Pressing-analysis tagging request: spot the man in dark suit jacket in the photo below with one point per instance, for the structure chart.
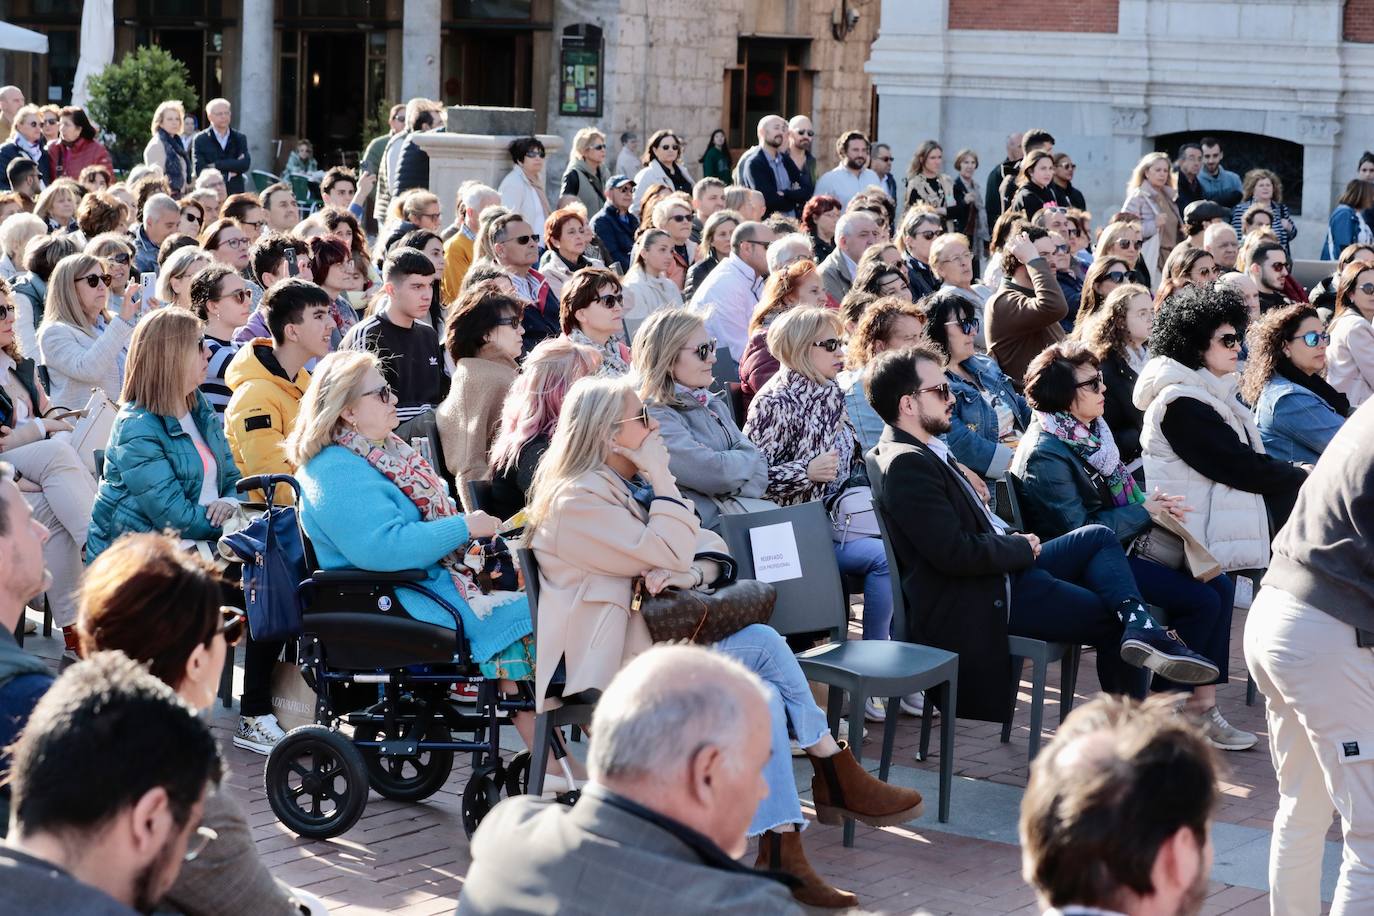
(662, 821)
(768, 169)
(221, 147)
(970, 581)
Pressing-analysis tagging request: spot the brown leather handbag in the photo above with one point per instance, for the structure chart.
(703, 617)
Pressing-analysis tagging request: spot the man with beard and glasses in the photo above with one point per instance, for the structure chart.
(971, 581)
(1116, 819)
(109, 780)
(852, 175)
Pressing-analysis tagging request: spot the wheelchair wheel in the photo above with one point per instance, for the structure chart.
(481, 794)
(406, 779)
(316, 782)
(517, 779)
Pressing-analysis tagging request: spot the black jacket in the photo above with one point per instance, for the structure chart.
(1030, 198)
(412, 166)
(920, 278)
(755, 172)
(206, 154)
(697, 274)
(1075, 196)
(10, 152)
(952, 566)
(1188, 192)
(1124, 419)
(960, 215)
(992, 193)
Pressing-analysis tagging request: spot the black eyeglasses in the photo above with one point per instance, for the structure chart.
(1116, 276)
(383, 394)
(1229, 341)
(513, 322)
(1095, 383)
(611, 300)
(239, 295)
(829, 345)
(118, 257)
(94, 280)
(1314, 338)
(941, 389)
(704, 351)
(192, 217)
(598, 146)
(232, 624)
(256, 224)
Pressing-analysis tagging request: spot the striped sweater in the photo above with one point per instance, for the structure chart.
(215, 389)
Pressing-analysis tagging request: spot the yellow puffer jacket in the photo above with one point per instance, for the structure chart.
(261, 413)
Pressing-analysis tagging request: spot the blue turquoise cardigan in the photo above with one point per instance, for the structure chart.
(358, 519)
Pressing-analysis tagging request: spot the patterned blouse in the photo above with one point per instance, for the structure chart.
(792, 420)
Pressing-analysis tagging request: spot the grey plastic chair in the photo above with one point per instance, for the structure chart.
(815, 603)
(575, 711)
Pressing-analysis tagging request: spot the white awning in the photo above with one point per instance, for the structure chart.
(97, 45)
(13, 38)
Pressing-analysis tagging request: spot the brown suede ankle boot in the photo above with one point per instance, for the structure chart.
(843, 788)
(783, 852)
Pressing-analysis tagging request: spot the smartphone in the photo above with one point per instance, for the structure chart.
(291, 264)
(147, 282)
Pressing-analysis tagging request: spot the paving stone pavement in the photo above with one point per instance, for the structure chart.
(411, 858)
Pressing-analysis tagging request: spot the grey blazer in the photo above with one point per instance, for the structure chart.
(605, 855)
(835, 274)
(709, 456)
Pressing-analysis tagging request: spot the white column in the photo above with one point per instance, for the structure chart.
(256, 111)
(420, 37)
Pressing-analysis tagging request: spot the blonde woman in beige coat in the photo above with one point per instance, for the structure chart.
(604, 509)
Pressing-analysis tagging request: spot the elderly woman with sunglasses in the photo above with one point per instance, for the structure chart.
(1199, 440)
(80, 342)
(716, 467)
(1296, 409)
(162, 606)
(799, 423)
(1071, 474)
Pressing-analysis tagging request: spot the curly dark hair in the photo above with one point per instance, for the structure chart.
(1106, 333)
(1186, 321)
(1266, 339)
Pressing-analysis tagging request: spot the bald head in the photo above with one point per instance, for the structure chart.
(11, 100)
(800, 133)
(1014, 145)
(772, 133)
(1219, 239)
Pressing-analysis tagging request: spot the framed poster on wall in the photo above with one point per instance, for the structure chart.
(580, 71)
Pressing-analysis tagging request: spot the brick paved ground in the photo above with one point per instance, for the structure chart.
(411, 858)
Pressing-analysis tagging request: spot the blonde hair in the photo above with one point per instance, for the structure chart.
(334, 385)
(43, 206)
(15, 233)
(162, 109)
(1106, 241)
(416, 201)
(1143, 166)
(161, 353)
(29, 109)
(180, 265)
(581, 441)
(62, 305)
(657, 344)
(791, 335)
(663, 210)
(583, 139)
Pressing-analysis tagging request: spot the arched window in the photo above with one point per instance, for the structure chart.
(1242, 152)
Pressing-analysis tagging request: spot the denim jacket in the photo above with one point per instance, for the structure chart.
(1294, 423)
(972, 437)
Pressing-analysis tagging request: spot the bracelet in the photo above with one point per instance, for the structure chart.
(700, 577)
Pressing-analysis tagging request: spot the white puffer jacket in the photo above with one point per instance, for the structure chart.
(1231, 523)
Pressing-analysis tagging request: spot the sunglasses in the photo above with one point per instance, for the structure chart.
(829, 345)
(883, 158)
(1073, 233)
(681, 218)
(94, 280)
(1314, 338)
(239, 295)
(1095, 383)
(612, 300)
(642, 418)
(232, 624)
(119, 258)
(1061, 249)
(1282, 267)
(1116, 276)
(926, 234)
(666, 147)
(704, 351)
(513, 322)
(968, 327)
(383, 394)
(193, 217)
(522, 239)
(804, 133)
(49, 122)
(598, 146)
(942, 390)
(1229, 341)
(534, 154)
(1128, 245)
(1069, 165)
(1366, 288)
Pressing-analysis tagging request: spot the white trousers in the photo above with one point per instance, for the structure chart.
(1320, 691)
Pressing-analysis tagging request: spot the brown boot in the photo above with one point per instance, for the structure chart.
(842, 788)
(783, 852)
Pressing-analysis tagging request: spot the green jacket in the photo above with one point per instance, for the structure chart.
(152, 477)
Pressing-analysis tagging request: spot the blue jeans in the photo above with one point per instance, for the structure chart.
(763, 651)
(1071, 595)
(1199, 611)
(865, 557)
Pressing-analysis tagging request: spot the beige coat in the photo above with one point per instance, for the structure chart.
(596, 540)
(469, 416)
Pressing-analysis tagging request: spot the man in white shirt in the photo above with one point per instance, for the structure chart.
(627, 162)
(852, 175)
(727, 299)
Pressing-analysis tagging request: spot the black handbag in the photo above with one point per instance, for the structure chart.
(1160, 545)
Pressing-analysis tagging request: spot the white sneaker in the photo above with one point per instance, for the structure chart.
(874, 711)
(1223, 734)
(914, 704)
(258, 733)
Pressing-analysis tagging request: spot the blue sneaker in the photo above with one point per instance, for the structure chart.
(1151, 646)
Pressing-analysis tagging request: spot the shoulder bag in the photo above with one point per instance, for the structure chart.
(707, 616)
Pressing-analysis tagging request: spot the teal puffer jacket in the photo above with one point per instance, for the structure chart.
(152, 476)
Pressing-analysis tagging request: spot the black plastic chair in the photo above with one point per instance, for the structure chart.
(815, 602)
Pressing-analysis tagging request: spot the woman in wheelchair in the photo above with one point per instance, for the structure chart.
(605, 509)
(160, 605)
(369, 501)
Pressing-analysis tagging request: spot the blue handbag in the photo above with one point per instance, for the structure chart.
(273, 558)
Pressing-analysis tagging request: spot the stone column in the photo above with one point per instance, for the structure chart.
(420, 37)
(1320, 182)
(257, 102)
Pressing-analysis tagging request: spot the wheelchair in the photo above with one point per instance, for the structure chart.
(387, 677)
